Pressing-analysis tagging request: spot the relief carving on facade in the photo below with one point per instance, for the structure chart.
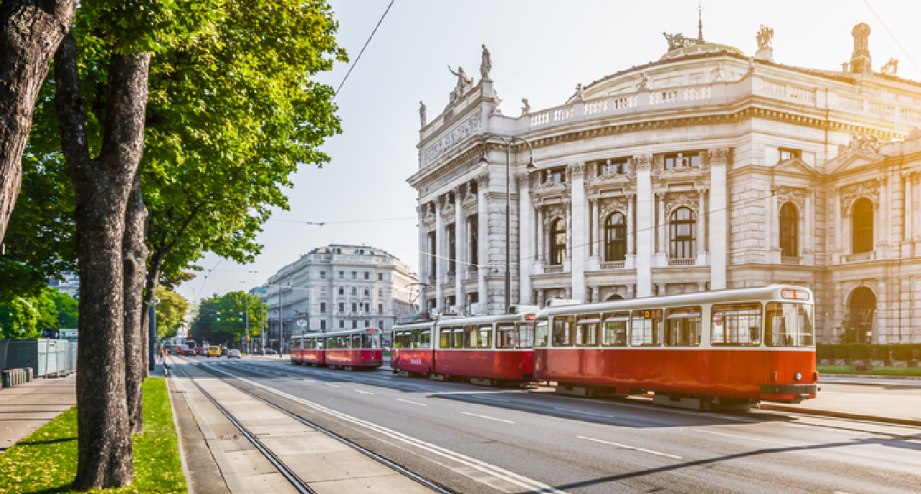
(461, 131)
(718, 156)
(675, 200)
(852, 192)
(643, 162)
(553, 213)
(577, 169)
(796, 195)
(608, 206)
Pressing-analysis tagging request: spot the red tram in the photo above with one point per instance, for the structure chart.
(483, 349)
(357, 348)
(704, 350)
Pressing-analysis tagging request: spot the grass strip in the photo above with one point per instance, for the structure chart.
(46, 461)
(875, 371)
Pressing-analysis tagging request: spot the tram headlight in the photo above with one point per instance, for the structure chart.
(797, 376)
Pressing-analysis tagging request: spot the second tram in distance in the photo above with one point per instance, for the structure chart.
(353, 349)
(727, 348)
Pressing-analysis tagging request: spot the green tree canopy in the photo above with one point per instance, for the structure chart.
(171, 308)
(223, 319)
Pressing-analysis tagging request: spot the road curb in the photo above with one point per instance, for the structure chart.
(841, 415)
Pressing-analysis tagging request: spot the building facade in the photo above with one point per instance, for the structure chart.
(339, 287)
(705, 169)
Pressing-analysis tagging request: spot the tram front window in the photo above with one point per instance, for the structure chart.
(789, 325)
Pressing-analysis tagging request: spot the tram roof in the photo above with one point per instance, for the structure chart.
(715, 296)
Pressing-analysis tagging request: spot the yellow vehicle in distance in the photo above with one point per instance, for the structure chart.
(212, 351)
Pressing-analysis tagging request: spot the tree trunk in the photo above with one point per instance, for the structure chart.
(30, 31)
(135, 260)
(102, 187)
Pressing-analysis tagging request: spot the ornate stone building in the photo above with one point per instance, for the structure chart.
(338, 287)
(705, 169)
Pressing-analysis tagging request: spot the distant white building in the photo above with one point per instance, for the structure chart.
(338, 287)
(69, 283)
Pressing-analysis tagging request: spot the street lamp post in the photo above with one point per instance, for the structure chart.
(508, 140)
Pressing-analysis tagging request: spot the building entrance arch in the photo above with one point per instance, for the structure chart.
(861, 311)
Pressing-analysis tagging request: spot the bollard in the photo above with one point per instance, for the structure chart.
(6, 379)
(29, 374)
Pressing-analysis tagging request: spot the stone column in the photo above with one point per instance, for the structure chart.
(644, 224)
(701, 229)
(439, 255)
(630, 225)
(882, 218)
(424, 258)
(719, 217)
(579, 231)
(596, 246)
(907, 213)
(773, 229)
(838, 213)
(525, 238)
(540, 236)
(483, 243)
(660, 226)
(916, 203)
(809, 225)
(460, 260)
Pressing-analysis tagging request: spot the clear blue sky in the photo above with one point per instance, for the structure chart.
(540, 50)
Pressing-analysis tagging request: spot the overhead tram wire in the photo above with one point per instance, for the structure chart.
(891, 34)
(363, 49)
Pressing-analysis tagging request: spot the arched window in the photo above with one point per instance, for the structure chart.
(615, 238)
(862, 226)
(683, 229)
(789, 230)
(557, 241)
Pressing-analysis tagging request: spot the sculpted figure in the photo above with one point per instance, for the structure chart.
(486, 64)
(526, 106)
(765, 37)
(422, 113)
(463, 82)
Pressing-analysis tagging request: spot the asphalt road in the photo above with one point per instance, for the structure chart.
(475, 439)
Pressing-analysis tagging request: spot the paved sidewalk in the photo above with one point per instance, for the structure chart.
(29, 406)
(894, 403)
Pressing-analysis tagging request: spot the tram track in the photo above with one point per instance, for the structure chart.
(286, 471)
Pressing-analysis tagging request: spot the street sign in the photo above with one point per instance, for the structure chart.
(301, 323)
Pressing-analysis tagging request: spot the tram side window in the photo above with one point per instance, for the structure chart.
(470, 336)
(356, 341)
(321, 342)
(457, 338)
(736, 325)
(562, 331)
(644, 327)
(682, 326)
(541, 333)
(444, 337)
(789, 325)
(525, 334)
(587, 330)
(374, 340)
(614, 328)
(400, 339)
(423, 338)
(485, 337)
(506, 336)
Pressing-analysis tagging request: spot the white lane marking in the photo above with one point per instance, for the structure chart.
(634, 448)
(495, 471)
(332, 385)
(746, 438)
(487, 417)
(413, 402)
(363, 392)
(310, 380)
(580, 412)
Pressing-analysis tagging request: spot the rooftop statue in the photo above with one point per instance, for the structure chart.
(463, 82)
(486, 64)
(677, 40)
(525, 106)
(422, 113)
(891, 67)
(765, 37)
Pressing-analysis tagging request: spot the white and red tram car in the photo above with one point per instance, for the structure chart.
(356, 348)
(489, 349)
(722, 347)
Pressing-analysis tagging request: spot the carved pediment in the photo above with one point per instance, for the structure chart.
(795, 166)
(854, 159)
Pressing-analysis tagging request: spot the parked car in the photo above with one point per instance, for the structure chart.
(233, 353)
(269, 351)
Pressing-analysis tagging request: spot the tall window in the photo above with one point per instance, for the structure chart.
(557, 241)
(555, 176)
(789, 230)
(433, 261)
(473, 227)
(615, 238)
(683, 229)
(862, 226)
(452, 243)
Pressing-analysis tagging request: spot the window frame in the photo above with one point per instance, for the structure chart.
(788, 220)
(653, 329)
(593, 322)
(722, 309)
(561, 331)
(694, 334)
(615, 237)
(862, 236)
(557, 248)
(684, 244)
